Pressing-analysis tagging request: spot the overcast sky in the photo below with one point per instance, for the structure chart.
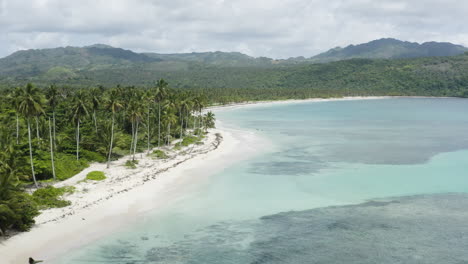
(272, 28)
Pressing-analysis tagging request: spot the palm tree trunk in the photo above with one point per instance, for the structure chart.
(112, 139)
(181, 125)
(53, 123)
(78, 140)
(37, 127)
(136, 140)
(200, 123)
(187, 120)
(168, 134)
(148, 129)
(194, 122)
(17, 129)
(30, 154)
(52, 150)
(197, 118)
(95, 121)
(159, 123)
(133, 137)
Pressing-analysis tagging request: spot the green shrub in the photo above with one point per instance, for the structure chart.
(119, 152)
(131, 164)
(67, 166)
(21, 209)
(159, 154)
(50, 197)
(96, 176)
(92, 156)
(18, 212)
(188, 140)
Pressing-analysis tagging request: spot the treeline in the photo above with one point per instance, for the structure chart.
(432, 76)
(50, 134)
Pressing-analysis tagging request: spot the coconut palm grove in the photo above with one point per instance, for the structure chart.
(50, 134)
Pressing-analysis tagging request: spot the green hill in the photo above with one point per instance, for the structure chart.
(389, 48)
(235, 76)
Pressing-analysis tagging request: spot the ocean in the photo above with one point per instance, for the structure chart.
(355, 181)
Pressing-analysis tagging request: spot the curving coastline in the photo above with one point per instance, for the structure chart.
(128, 194)
(101, 208)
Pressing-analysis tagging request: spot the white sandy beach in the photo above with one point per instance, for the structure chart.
(99, 208)
(290, 101)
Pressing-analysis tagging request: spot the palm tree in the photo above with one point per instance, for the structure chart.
(30, 105)
(148, 98)
(199, 104)
(95, 102)
(160, 94)
(209, 120)
(135, 114)
(52, 95)
(16, 100)
(8, 164)
(114, 105)
(52, 150)
(79, 111)
(169, 119)
(169, 107)
(184, 107)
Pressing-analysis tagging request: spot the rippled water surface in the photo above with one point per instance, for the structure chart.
(366, 181)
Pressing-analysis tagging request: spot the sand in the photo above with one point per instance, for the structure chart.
(99, 208)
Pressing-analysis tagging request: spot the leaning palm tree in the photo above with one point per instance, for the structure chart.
(113, 104)
(30, 106)
(79, 110)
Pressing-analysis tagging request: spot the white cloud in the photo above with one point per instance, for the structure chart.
(272, 28)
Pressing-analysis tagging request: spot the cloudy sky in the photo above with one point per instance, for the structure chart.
(272, 28)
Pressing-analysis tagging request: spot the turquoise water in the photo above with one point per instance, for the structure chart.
(292, 204)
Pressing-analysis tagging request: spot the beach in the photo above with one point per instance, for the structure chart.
(99, 208)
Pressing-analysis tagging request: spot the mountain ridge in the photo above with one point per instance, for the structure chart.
(100, 63)
(390, 48)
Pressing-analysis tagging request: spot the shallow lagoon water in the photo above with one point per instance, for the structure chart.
(304, 200)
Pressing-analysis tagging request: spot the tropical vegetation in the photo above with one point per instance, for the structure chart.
(49, 134)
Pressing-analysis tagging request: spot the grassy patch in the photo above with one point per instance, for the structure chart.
(92, 156)
(66, 165)
(188, 140)
(50, 197)
(158, 154)
(96, 176)
(131, 164)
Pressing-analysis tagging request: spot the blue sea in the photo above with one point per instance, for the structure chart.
(358, 181)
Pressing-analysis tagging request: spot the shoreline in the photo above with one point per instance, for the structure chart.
(309, 100)
(126, 195)
(99, 208)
